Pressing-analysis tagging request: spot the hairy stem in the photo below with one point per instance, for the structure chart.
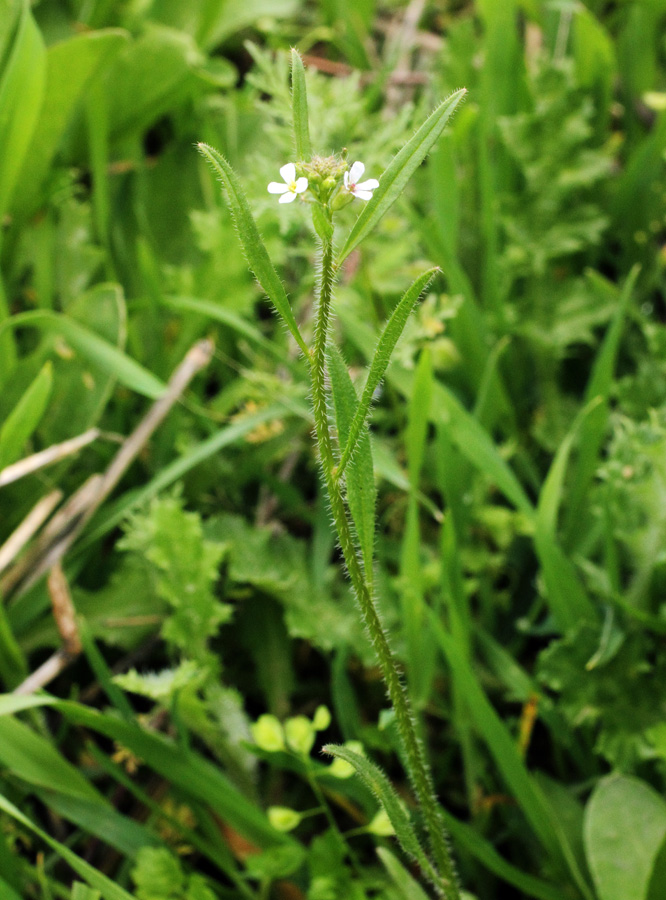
(418, 769)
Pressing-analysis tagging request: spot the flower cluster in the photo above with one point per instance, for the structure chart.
(323, 181)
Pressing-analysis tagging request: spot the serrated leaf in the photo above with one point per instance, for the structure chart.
(399, 171)
(253, 246)
(373, 777)
(382, 356)
(360, 480)
(299, 102)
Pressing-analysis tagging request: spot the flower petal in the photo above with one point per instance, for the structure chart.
(368, 185)
(275, 187)
(356, 172)
(287, 197)
(362, 195)
(288, 172)
(301, 184)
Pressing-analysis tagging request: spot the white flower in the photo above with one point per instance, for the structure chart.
(363, 190)
(291, 186)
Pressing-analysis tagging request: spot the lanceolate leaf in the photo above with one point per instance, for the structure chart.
(360, 481)
(253, 246)
(400, 170)
(373, 777)
(299, 100)
(385, 347)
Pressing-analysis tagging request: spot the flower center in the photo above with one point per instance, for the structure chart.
(292, 186)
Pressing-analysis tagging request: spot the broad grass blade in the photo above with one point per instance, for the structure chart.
(407, 886)
(382, 356)
(360, 480)
(21, 94)
(191, 773)
(253, 246)
(299, 102)
(466, 836)
(399, 171)
(95, 879)
(503, 748)
(421, 650)
(594, 429)
(24, 418)
(98, 351)
(375, 779)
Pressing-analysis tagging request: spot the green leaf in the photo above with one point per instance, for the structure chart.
(157, 874)
(599, 386)
(70, 66)
(299, 101)
(32, 758)
(625, 827)
(373, 777)
(24, 418)
(95, 879)
(466, 836)
(253, 246)
(408, 887)
(21, 93)
(399, 171)
(81, 891)
(503, 748)
(381, 358)
(214, 311)
(105, 356)
(361, 491)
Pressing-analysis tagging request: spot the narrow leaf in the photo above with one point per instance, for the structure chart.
(360, 481)
(373, 777)
(382, 356)
(299, 101)
(503, 748)
(253, 246)
(399, 171)
(407, 886)
(98, 351)
(95, 879)
(24, 418)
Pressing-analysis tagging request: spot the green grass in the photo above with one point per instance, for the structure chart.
(514, 419)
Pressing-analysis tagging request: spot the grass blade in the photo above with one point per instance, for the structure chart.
(504, 751)
(253, 246)
(24, 418)
(95, 879)
(299, 101)
(102, 354)
(382, 356)
(399, 171)
(21, 94)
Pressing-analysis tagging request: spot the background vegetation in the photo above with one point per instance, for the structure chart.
(519, 445)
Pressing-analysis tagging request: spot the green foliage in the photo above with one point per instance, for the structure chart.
(499, 435)
(186, 568)
(158, 875)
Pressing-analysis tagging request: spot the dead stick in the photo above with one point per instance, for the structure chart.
(47, 457)
(54, 544)
(28, 527)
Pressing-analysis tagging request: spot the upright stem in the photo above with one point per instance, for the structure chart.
(418, 769)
